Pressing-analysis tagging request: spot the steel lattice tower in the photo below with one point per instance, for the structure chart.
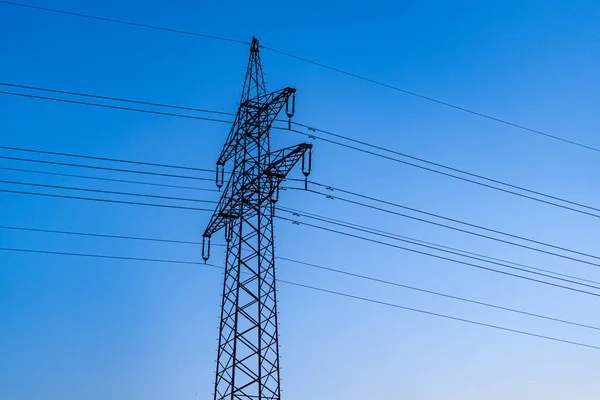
(248, 353)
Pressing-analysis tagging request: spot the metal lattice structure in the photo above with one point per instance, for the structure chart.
(248, 352)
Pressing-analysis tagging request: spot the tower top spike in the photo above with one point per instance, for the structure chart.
(254, 47)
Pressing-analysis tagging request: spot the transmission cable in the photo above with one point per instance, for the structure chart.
(107, 192)
(122, 22)
(505, 265)
(434, 314)
(356, 203)
(296, 222)
(339, 198)
(312, 265)
(445, 295)
(356, 149)
(363, 143)
(318, 64)
(86, 103)
(299, 213)
(107, 179)
(431, 99)
(312, 136)
(130, 171)
(332, 197)
(54, 153)
(95, 96)
(196, 263)
(105, 200)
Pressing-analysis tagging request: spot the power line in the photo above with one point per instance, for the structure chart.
(346, 200)
(438, 256)
(107, 192)
(107, 179)
(417, 289)
(182, 262)
(338, 271)
(104, 200)
(387, 236)
(437, 246)
(100, 235)
(151, 164)
(381, 148)
(433, 100)
(312, 136)
(283, 209)
(173, 198)
(131, 171)
(436, 314)
(462, 171)
(363, 143)
(342, 145)
(122, 22)
(86, 103)
(95, 96)
(318, 64)
(339, 198)
(452, 227)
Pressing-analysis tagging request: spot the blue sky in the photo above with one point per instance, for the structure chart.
(74, 328)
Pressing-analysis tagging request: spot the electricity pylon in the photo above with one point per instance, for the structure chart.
(248, 353)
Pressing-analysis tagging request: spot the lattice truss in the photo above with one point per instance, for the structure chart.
(248, 352)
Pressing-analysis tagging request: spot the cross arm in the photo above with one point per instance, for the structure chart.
(261, 111)
(282, 162)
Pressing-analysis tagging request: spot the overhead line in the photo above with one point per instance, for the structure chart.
(86, 103)
(417, 289)
(119, 160)
(107, 192)
(104, 200)
(449, 252)
(55, 153)
(131, 171)
(356, 149)
(107, 179)
(356, 203)
(455, 176)
(457, 229)
(438, 256)
(435, 246)
(334, 270)
(182, 262)
(433, 100)
(436, 314)
(451, 220)
(100, 235)
(388, 235)
(123, 22)
(455, 253)
(318, 64)
(95, 96)
(462, 171)
(342, 199)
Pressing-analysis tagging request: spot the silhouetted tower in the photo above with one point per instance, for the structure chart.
(248, 353)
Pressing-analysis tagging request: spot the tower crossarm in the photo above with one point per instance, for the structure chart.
(282, 162)
(254, 117)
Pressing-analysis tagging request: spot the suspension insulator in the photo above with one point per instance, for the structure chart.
(290, 109)
(275, 194)
(229, 231)
(220, 175)
(205, 248)
(306, 166)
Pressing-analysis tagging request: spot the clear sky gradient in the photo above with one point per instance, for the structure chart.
(96, 329)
